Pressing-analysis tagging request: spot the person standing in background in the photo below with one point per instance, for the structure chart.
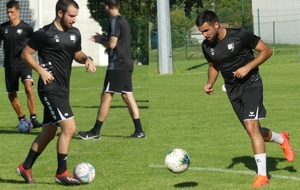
(119, 72)
(15, 34)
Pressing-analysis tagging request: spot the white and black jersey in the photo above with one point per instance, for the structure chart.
(231, 53)
(14, 40)
(120, 57)
(56, 52)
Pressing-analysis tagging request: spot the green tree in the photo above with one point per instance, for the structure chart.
(183, 14)
(188, 5)
(138, 13)
(231, 12)
(181, 26)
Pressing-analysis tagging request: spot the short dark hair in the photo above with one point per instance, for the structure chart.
(111, 3)
(12, 4)
(63, 5)
(206, 16)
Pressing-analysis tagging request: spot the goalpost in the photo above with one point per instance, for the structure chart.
(38, 13)
(164, 37)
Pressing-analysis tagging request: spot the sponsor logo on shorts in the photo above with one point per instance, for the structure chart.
(251, 114)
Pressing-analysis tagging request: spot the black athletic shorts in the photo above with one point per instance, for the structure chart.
(249, 105)
(56, 106)
(13, 75)
(118, 81)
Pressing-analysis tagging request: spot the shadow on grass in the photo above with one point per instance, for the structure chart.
(116, 107)
(196, 66)
(110, 136)
(13, 181)
(140, 107)
(272, 163)
(12, 131)
(186, 184)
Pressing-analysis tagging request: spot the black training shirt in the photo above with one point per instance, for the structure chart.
(232, 52)
(120, 57)
(56, 53)
(14, 40)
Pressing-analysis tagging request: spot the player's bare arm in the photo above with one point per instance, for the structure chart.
(82, 58)
(213, 74)
(110, 42)
(27, 56)
(264, 53)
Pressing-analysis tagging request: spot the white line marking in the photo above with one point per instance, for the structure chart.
(232, 171)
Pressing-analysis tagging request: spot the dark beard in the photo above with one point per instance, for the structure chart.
(215, 39)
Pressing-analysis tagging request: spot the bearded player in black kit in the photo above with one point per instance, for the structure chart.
(15, 34)
(57, 44)
(230, 51)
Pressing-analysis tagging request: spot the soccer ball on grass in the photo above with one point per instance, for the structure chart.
(177, 160)
(24, 126)
(84, 172)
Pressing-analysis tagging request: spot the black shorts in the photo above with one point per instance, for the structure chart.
(249, 105)
(12, 76)
(118, 81)
(56, 106)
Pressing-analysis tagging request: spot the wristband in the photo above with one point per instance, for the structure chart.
(90, 58)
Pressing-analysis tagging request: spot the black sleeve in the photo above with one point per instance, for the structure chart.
(37, 39)
(250, 40)
(1, 36)
(206, 56)
(30, 32)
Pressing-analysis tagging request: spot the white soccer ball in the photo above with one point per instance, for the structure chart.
(24, 126)
(177, 160)
(84, 172)
(223, 88)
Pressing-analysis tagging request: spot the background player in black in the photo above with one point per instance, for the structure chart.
(230, 51)
(15, 34)
(57, 44)
(119, 71)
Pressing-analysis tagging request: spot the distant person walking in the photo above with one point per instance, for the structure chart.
(230, 51)
(57, 43)
(15, 34)
(119, 71)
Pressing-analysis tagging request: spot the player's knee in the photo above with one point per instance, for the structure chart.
(29, 91)
(69, 132)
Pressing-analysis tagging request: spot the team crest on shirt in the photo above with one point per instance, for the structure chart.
(6, 30)
(19, 31)
(73, 38)
(230, 47)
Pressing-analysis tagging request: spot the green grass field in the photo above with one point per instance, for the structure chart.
(175, 113)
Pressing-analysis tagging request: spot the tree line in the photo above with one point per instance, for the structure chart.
(142, 16)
